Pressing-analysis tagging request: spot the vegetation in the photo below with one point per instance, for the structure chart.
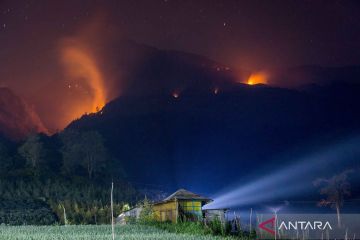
(214, 228)
(195, 228)
(94, 232)
(147, 212)
(85, 151)
(63, 175)
(33, 152)
(335, 189)
(26, 211)
(65, 179)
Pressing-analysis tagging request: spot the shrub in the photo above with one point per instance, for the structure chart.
(216, 227)
(147, 212)
(196, 228)
(130, 220)
(26, 212)
(252, 234)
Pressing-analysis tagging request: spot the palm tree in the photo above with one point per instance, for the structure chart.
(335, 189)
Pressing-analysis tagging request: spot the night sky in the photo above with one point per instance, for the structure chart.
(252, 35)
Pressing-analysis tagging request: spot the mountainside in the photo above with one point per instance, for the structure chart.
(144, 70)
(216, 138)
(17, 119)
(296, 77)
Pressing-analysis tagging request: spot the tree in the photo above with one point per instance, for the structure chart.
(33, 151)
(6, 160)
(84, 149)
(147, 211)
(335, 189)
(70, 150)
(94, 152)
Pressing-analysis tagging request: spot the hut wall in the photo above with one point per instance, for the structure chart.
(166, 211)
(135, 212)
(190, 210)
(212, 214)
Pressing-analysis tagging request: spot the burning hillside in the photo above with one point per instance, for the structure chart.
(257, 78)
(82, 73)
(17, 119)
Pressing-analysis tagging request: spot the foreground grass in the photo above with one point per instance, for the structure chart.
(93, 232)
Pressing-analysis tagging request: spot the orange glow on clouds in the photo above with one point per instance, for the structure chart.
(257, 78)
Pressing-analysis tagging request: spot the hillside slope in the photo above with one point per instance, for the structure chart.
(215, 138)
(17, 119)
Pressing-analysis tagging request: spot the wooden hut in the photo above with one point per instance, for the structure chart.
(131, 213)
(181, 205)
(213, 214)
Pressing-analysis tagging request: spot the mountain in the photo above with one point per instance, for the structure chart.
(300, 76)
(17, 118)
(143, 70)
(206, 137)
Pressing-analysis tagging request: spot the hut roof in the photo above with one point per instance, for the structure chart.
(183, 194)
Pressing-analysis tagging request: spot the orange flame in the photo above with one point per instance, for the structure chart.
(257, 78)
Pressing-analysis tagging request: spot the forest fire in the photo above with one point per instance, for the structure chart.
(82, 69)
(257, 78)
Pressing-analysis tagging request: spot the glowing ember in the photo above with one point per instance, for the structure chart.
(175, 95)
(257, 78)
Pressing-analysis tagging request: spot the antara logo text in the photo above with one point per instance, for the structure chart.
(305, 225)
(269, 225)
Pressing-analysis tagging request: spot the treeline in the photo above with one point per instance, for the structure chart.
(70, 173)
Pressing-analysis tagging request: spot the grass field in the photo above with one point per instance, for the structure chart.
(91, 232)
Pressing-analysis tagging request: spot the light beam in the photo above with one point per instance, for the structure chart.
(286, 182)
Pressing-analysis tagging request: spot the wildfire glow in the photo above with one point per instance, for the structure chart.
(86, 87)
(257, 78)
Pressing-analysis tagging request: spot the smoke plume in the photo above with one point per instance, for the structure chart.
(81, 59)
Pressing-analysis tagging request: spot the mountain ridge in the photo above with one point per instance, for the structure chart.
(17, 118)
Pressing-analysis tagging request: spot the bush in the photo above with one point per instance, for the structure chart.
(130, 220)
(252, 234)
(216, 227)
(147, 212)
(196, 228)
(84, 202)
(26, 212)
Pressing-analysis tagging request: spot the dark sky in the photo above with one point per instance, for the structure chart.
(252, 35)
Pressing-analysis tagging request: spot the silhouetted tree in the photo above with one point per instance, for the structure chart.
(335, 189)
(84, 149)
(70, 150)
(94, 152)
(6, 160)
(33, 151)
